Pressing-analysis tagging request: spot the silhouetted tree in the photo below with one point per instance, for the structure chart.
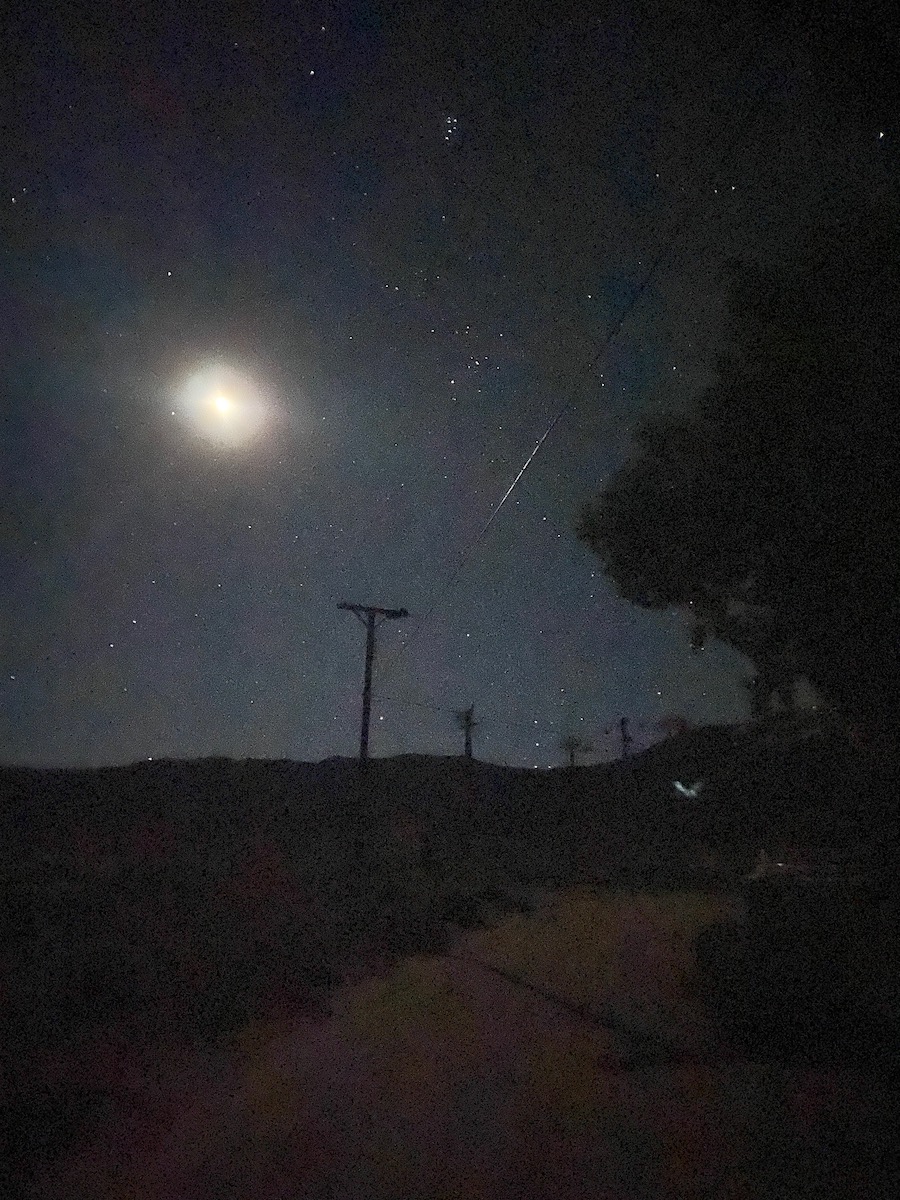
(767, 512)
(465, 719)
(572, 745)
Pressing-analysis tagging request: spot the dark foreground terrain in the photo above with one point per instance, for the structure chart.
(444, 978)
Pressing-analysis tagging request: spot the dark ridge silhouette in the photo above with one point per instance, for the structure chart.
(188, 898)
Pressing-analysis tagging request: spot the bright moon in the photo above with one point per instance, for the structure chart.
(225, 405)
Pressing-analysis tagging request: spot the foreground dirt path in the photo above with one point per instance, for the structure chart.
(557, 1055)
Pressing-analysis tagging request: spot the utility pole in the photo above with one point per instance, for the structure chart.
(466, 720)
(371, 622)
(625, 735)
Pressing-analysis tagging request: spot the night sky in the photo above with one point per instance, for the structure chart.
(289, 295)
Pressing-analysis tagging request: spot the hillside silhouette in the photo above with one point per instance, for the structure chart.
(129, 874)
(188, 900)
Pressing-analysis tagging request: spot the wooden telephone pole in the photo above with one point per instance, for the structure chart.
(465, 718)
(371, 622)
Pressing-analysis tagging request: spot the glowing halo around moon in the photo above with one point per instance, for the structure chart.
(225, 406)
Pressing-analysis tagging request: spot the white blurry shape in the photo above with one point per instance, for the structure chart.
(691, 790)
(225, 406)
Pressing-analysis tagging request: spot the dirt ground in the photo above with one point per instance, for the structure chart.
(562, 1054)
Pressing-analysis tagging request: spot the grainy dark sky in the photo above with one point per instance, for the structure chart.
(289, 294)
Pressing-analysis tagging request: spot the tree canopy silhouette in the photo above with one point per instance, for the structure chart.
(766, 510)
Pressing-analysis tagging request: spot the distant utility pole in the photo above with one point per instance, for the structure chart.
(465, 718)
(626, 737)
(370, 620)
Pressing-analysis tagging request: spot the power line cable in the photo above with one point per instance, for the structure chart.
(743, 128)
(636, 296)
(600, 730)
(714, 64)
